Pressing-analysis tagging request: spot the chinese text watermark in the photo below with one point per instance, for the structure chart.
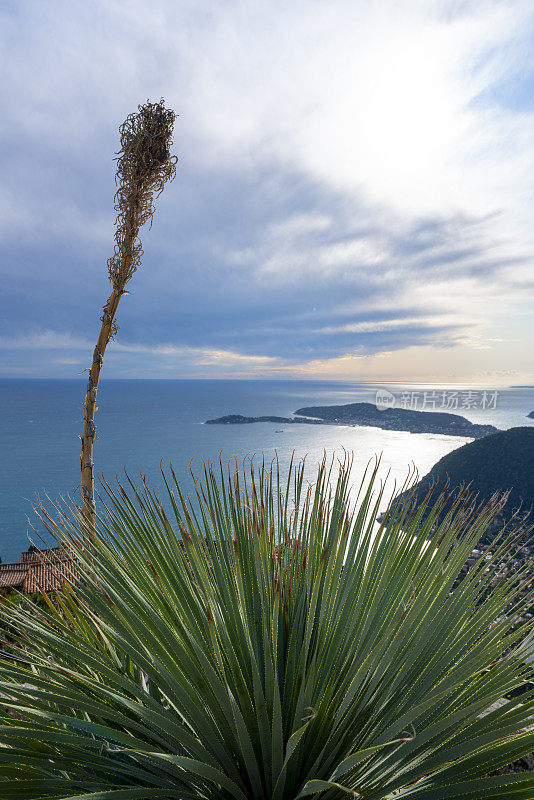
(442, 400)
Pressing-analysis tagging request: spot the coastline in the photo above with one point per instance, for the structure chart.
(370, 416)
(168, 419)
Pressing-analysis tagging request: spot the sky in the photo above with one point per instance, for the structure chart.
(353, 199)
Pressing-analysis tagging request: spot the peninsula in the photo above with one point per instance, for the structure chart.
(368, 415)
(498, 464)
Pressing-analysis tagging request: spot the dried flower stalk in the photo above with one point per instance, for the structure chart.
(144, 165)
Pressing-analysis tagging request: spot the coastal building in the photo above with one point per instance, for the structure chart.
(37, 570)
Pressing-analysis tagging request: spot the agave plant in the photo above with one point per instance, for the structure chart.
(269, 640)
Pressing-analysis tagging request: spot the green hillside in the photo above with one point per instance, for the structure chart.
(499, 462)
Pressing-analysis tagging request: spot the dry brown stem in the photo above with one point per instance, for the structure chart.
(144, 165)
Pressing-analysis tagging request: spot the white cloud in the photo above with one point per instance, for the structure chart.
(376, 97)
(448, 320)
(172, 353)
(395, 109)
(44, 340)
(365, 96)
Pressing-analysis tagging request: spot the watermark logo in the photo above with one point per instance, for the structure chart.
(384, 399)
(445, 400)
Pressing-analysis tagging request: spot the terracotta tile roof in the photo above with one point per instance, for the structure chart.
(37, 569)
(47, 570)
(11, 576)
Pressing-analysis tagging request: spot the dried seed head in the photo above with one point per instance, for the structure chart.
(144, 165)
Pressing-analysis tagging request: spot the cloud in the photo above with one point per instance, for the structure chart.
(44, 340)
(354, 178)
(157, 357)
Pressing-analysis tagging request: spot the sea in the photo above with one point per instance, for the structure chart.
(142, 424)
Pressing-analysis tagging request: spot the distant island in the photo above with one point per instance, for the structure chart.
(368, 415)
(239, 419)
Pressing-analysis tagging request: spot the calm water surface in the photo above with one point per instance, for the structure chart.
(140, 423)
